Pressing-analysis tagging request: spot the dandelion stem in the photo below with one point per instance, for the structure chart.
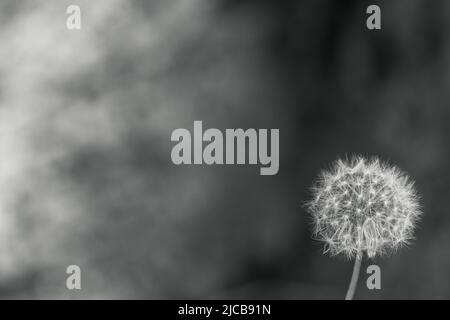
(355, 276)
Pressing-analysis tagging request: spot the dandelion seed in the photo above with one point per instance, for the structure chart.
(353, 231)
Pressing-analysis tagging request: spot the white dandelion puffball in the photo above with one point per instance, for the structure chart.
(363, 205)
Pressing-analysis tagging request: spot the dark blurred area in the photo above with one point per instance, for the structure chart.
(86, 118)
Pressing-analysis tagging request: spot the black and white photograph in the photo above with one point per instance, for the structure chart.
(224, 150)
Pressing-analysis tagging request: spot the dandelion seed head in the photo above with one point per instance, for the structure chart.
(379, 208)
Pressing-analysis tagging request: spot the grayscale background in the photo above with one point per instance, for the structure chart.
(86, 117)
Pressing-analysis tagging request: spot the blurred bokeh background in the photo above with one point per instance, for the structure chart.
(85, 124)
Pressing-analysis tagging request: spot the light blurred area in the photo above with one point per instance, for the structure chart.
(86, 118)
